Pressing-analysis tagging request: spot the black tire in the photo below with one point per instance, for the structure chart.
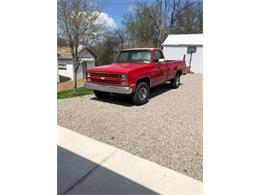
(175, 83)
(101, 94)
(141, 94)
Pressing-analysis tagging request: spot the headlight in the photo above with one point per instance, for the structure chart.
(124, 77)
(88, 74)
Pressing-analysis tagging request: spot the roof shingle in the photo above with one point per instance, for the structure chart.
(64, 52)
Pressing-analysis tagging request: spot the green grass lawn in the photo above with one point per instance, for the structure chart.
(69, 93)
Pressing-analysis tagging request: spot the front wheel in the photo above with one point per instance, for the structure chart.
(101, 94)
(176, 82)
(141, 94)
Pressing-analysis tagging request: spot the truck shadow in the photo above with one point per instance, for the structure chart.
(115, 99)
(158, 90)
(125, 100)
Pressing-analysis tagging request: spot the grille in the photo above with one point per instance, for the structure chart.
(105, 78)
(105, 81)
(105, 75)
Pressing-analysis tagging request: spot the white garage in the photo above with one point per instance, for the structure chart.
(190, 45)
(65, 68)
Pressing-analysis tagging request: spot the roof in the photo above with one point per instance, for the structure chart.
(139, 49)
(64, 52)
(184, 39)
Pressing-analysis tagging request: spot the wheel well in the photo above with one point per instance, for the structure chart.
(146, 79)
(179, 72)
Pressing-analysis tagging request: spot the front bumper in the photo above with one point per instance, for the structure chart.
(109, 88)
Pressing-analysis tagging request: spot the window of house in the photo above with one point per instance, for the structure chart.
(62, 66)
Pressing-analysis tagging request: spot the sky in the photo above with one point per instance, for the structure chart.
(113, 10)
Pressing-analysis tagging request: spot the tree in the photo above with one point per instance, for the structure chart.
(151, 22)
(77, 23)
(140, 26)
(107, 49)
(159, 14)
(149, 25)
(186, 17)
(62, 41)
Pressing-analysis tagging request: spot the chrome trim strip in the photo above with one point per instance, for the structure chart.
(109, 88)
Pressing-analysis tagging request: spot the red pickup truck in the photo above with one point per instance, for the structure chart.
(133, 73)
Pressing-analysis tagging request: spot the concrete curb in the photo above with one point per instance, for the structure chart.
(146, 173)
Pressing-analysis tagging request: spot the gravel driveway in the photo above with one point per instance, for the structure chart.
(167, 130)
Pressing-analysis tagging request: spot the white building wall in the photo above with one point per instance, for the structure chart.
(79, 73)
(174, 53)
(197, 61)
(91, 64)
(69, 68)
(177, 53)
(69, 71)
(58, 78)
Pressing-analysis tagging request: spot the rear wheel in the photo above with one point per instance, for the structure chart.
(101, 94)
(176, 81)
(141, 94)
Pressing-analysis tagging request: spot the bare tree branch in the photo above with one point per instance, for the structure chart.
(77, 22)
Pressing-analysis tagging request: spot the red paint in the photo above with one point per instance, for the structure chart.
(157, 73)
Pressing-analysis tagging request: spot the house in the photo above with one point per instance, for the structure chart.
(65, 68)
(190, 45)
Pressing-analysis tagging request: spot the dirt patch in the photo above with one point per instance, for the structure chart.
(69, 85)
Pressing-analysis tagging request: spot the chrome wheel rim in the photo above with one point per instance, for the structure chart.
(143, 93)
(177, 80)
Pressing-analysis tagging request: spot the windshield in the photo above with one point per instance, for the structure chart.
(134, 56)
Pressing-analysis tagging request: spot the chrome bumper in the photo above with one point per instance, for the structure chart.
(109, 88)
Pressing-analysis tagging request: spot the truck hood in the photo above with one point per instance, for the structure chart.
(122, 68)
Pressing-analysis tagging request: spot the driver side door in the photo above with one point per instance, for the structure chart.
(160, 68)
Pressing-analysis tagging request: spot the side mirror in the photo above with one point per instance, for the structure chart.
(161, 60)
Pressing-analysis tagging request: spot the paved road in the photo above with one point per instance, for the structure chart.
(167, 130)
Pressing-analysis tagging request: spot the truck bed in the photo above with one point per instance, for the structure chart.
(173, 66)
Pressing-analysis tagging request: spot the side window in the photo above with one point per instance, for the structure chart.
(157, 55)
(62, 67)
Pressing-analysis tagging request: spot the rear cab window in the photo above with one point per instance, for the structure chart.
(157, 55)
